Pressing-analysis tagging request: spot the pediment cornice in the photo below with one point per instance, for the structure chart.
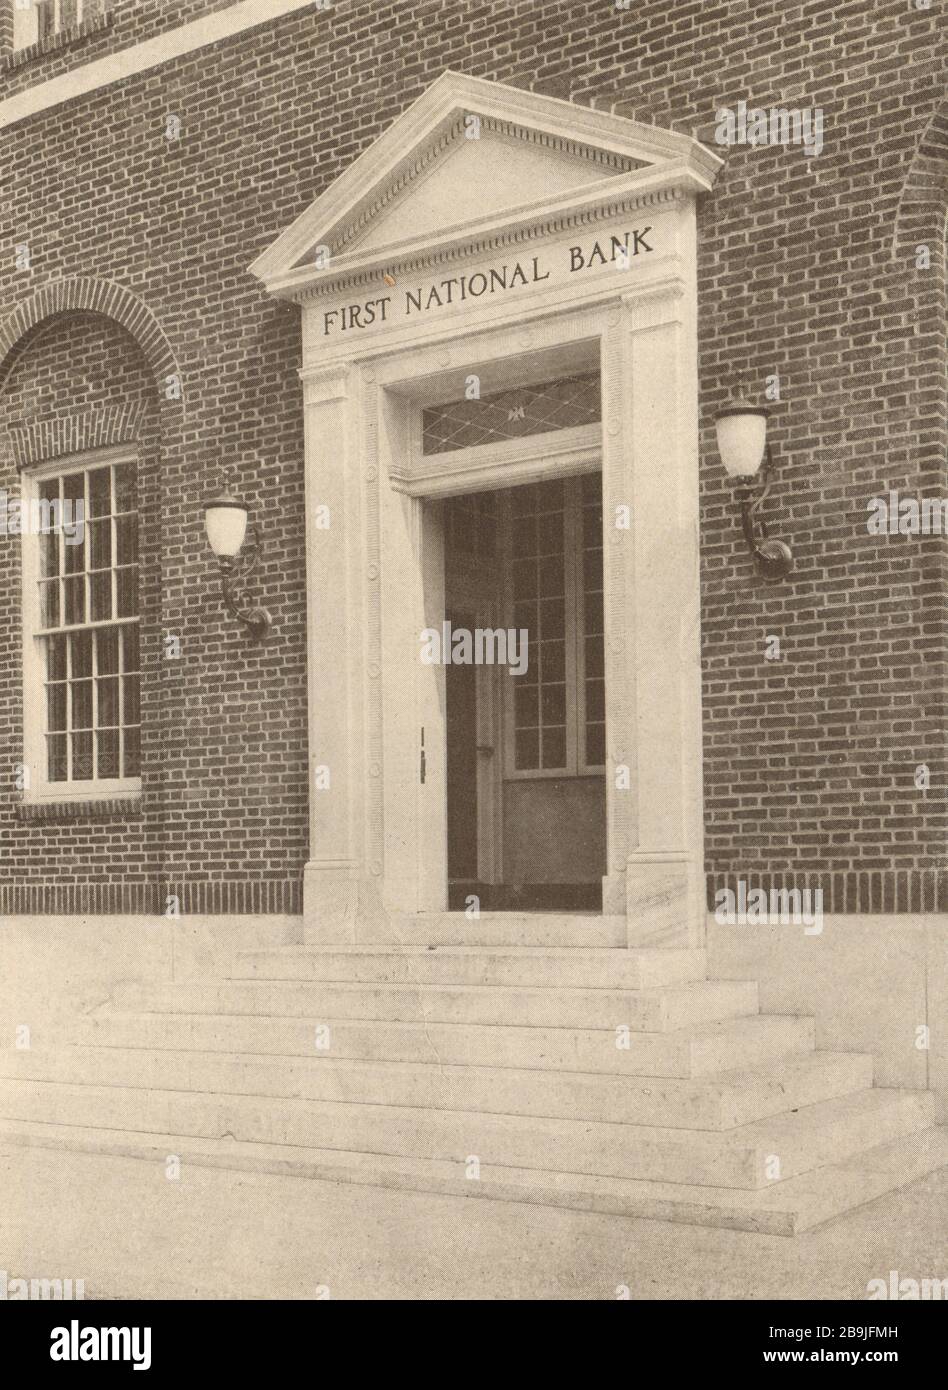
(395, 208)
(599, 162)
(363, 271)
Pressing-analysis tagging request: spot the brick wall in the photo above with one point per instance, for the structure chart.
(80, 374)
(807, 270)
(70, 372)
(6, 29)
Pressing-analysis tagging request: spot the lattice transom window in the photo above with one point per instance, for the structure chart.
(566, 403)
(86, 629)
(555, 711)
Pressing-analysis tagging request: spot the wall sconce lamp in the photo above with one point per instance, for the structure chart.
(743, 446)
(225, 521)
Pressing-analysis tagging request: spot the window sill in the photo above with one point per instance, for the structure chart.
(66, 38)
(102, 808)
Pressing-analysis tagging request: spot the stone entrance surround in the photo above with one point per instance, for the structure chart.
(502, 233)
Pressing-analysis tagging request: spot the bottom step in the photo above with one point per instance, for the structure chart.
(795, 1205)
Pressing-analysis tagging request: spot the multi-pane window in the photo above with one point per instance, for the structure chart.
(470, 525)
(86, 632)
(556, 709)
(55, 15)
(37, 20)
(593, 690)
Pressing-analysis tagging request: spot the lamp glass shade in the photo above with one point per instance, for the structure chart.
(225, 520)
(742, 438)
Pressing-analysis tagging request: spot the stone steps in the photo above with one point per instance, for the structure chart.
(537, 929)
(696, 1050)
(718, 1103)
(640, 1010)
(781, 1146)
(512, 966)
(785, 1208)
(536, 1050)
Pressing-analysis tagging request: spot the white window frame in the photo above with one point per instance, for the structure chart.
(26, 19)
(41, 789)
(576, 765)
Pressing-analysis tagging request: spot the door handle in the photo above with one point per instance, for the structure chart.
(485, 748)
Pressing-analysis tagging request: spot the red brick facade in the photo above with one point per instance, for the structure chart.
(807, 271)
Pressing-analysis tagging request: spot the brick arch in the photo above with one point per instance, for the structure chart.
(923, 206)
(86, 295)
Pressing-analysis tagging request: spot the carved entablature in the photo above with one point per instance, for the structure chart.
(481, 202)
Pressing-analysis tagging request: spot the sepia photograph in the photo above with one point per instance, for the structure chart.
(474, 663)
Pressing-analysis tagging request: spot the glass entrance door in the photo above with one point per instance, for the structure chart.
(532, 574)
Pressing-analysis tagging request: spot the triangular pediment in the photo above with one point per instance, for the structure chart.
(460, 179)
(469, 154)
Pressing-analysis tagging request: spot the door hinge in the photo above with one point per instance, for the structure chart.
(421, 764)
